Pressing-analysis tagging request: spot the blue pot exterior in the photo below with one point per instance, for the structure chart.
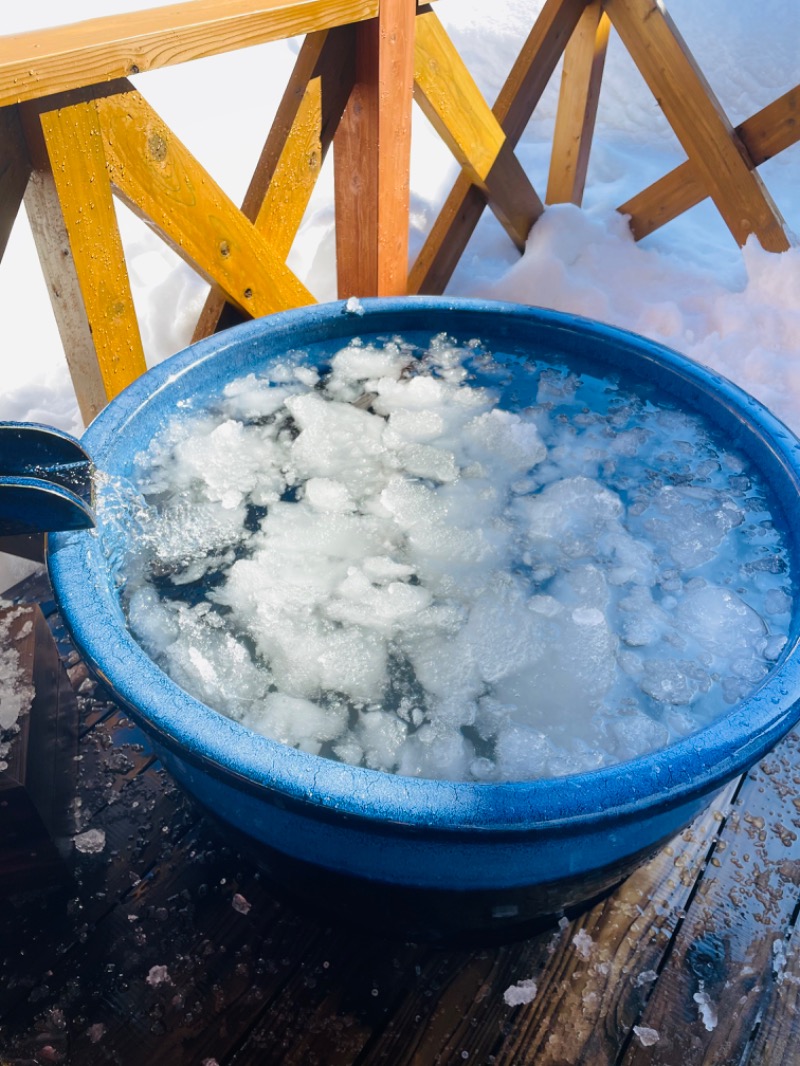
(387, 828)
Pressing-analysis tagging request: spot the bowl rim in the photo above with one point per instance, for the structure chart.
(693, 766)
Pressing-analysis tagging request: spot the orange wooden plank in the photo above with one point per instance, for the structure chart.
(455, 107)
(513, 108)
(15, 169)
(698, 120)
(765, 134)
(372, 154)
(584, 60)
(72, 216)
(295, 149)
(94, 51)
(160, 180)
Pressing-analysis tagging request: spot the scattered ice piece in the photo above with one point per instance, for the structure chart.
(779, 960)
(240, 904)
(705, 1009)
(583, 944)
(90, 842)
(96, 1032)
(646, 977)
(647, 1037)
(354, 306)
(522, 992)
(158, 975)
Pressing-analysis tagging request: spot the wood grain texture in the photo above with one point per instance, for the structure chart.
(581, 77)
(43, 62)
(15, 169)
(722, 972)
(698, 120)
(161, 181)
(513, 108)
(766, 134)
(72, 217)
(455, 107)
(592, 988)
(297, 145)
(777, 1038)
(372, 157)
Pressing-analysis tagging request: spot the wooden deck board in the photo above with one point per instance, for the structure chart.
(250, 978)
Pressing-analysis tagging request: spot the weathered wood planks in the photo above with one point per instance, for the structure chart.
(37, 764)
(172, 948)
(49, 61)
(15, 169)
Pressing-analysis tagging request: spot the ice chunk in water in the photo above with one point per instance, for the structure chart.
(297, 722)
(568, 517)
(719, 619)
(691, 523)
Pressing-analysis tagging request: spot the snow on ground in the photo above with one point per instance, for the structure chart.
(687, 285)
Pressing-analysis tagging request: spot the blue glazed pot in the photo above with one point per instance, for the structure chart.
(507, 851)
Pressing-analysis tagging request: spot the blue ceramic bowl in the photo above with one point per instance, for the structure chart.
(508, 851)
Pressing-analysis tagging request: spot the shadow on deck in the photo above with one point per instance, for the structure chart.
(163, 943)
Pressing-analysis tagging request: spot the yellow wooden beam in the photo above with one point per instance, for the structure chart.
(162, 182)
(72, 215)
(372, 157)
(447, 94)
(15, 169)
(698, 120)
(584, 60)
(292, 157)
(766, 134)
(513, 108)
(84, 53)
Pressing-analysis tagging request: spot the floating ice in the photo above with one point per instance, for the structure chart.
(430, 562)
